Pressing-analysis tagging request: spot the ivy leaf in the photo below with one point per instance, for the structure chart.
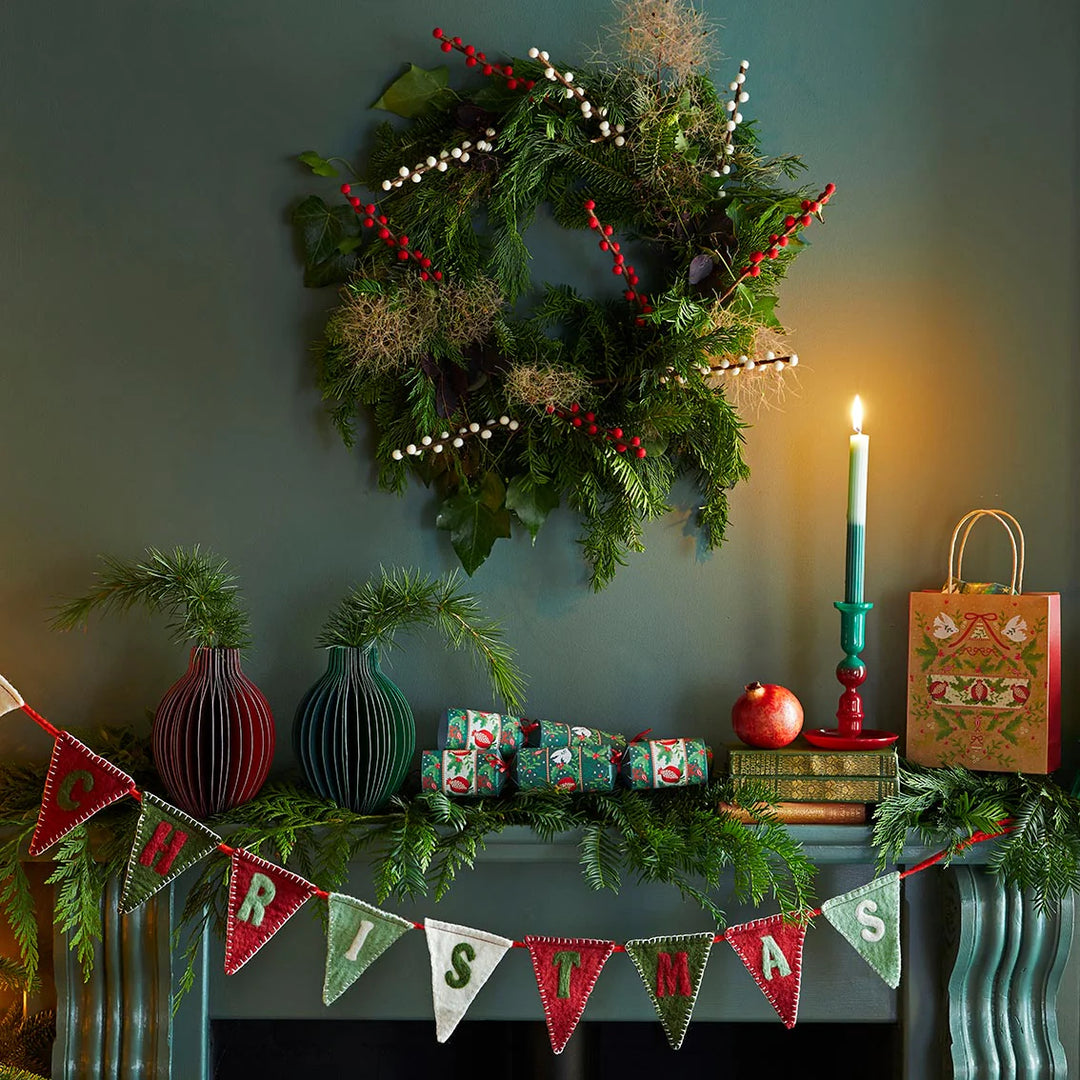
(414, 92)
(531, 503)
(764, 310)
(349, 244)
(317, 163)
(322, 228)
(475, 520)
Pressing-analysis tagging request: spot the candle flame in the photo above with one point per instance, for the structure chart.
(857, 414)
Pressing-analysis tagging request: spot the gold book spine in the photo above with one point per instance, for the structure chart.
(807, 813)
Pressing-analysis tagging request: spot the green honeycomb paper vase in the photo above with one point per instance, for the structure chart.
(354, 733)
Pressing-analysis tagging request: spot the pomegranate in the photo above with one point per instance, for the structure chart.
(767, 716)
(670, 774)
(458, 785)
(566, 783)
(483, 738)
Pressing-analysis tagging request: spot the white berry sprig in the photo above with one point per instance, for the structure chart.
(458, 155)
(572, 90)
(770, 362)
(739, 96)
(437, 444)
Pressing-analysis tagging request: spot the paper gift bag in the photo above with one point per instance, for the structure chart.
(984, 668)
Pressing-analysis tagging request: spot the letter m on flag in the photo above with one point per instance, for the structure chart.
(672, 975)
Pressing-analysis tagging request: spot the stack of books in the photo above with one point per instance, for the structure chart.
(815, 786)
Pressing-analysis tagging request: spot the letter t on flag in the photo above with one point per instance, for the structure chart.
(566, 972)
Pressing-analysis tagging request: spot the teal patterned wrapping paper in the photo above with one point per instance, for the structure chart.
(665, 763)
(565, 768)
(552, 734)
(466, 729)
(462, 773)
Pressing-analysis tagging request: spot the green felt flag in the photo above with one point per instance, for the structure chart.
(671, 969)
(358, 934)
(167, 842)
(869, 917)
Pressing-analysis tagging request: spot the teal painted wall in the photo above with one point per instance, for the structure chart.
(154, 350)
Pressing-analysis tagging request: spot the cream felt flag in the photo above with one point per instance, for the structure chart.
(10, 698)
(462, 960)
(869, 917)
(356, 936)
(78, 784)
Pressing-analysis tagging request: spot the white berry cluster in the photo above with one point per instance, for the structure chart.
(459, 155)
(739, 96)
(615, 132)
(771, 362)
(437, 444)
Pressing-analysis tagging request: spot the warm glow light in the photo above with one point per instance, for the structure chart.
(856, 414)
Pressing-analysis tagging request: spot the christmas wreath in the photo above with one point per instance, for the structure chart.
(509, 399)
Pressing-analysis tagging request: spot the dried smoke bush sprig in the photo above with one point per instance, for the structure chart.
(665, 36)
(534, 385)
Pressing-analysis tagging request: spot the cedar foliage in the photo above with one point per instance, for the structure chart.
(639, 371)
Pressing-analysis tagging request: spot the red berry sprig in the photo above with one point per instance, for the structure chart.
(478, 59)
(585, 422)
(372, 219)
(619, 264)
(811, 208)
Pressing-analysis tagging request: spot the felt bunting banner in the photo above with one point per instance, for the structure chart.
(78, 784)
(566, 972)
(771, 949)
(10, 698)
(671, 969)
(869, 917)
(262, 898)
(357, 935)
(462, 960)
(167, 842)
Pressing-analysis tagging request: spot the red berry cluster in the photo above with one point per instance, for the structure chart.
(478, 59)
(585, 422)
(373, 219)
(619, 263)
(792, 224)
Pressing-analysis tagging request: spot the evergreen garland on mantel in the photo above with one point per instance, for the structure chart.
(511, 400)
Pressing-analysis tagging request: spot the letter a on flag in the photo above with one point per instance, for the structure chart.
(77, 786)
(357, 935)
(566, 972)
(671, 969)
(771, 949)
(462, 960)
(167, 842)
(869, 917)
(262, 898)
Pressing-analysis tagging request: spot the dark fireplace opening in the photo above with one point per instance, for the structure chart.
(519, 1050)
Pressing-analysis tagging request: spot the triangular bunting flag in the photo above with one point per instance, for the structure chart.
(357, 935)
(262, 898)
(566, 972)
(869, 917)
(167, 842)
(771, 949)
(77, 786)
(462, 960)
(10, 698)
(671, 969)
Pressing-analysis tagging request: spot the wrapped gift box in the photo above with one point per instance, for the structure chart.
(553, 734)
(463, 772)
(802, 773)
(466, 729)
(565, 768)
(665, 763)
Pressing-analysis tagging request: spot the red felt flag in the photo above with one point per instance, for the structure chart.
(79, 784)
(262, 898)
(566, 971)
(771, 949)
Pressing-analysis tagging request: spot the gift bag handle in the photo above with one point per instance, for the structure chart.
(967, 523)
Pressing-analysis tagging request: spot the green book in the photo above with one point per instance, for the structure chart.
(802, 773)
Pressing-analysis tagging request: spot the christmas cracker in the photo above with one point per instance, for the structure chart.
(463, 772)
(465, 729)
(554, 734)
(565, 768)
(665, 763)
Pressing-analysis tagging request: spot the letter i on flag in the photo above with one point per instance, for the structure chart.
(167, 842)
(671, 969)
(869, 917)
(262, 898)
(771, 949)
(462, 960)
(566, 972)
(357, 935)
(79, 783)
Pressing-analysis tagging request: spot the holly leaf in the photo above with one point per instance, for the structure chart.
(415, 92)
(321, 229)
(317, 163)
(475, 520)
(531, 503)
